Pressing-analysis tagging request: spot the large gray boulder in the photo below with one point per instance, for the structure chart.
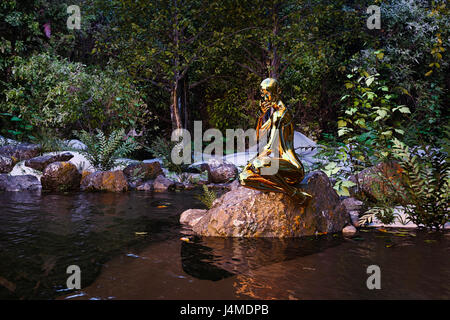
(22, 151)
(41, 162)
(244, 212)
(19, 183)
(61, 176)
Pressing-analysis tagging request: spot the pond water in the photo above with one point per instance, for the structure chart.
(128, 247)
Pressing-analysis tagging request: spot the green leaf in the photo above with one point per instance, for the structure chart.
(348, 183)
(369, 81)
(342, 191)
(341, 123)
(404, 110)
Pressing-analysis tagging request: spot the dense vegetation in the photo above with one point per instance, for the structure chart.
(149, 67)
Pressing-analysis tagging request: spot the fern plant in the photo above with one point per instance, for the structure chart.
(207, 197)
(102, 151)
(424, 189)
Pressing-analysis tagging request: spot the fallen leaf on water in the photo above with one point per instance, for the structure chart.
(382, 230)
(185, 239)
(430, 241)
(161, 206)
(140, 233)
(389, 245)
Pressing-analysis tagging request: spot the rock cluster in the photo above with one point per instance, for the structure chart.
(41, 162)
(244, 212)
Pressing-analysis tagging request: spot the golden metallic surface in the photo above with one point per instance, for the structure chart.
(281, 146)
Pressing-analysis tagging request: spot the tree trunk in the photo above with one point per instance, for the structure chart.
(274, 71)
(175, 108)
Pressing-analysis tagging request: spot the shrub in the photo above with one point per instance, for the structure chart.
(50, 92)
(424, 189)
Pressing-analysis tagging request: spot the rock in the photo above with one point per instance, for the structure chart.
(4, 141)
(354, 217)
(145, 186)
(190, 217)
(113, 181)
(22, 151)
(19, 183)
(234, 185)
(143, 171)
(6, 164)
(245, 212)
(198, 178)
(352, 204)
(224, 186)
(349, 230)
(162, 184)
(60, 176)
(353, 207)
(376, 187)
(219, 186)
(39, 163)
(221, 172)
(75, 144)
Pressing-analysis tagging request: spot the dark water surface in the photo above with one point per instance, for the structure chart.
(128, 247)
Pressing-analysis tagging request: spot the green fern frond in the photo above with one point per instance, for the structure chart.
(102, 152)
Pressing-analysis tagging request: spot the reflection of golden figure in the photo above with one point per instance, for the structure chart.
(256, 174)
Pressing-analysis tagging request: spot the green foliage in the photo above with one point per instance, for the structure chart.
(207, 197)
(233, 110)
(138, 174)
(49, 92)
(102, 151)
(15, 127)
(370, 117)
(49, 140)
(425, 187)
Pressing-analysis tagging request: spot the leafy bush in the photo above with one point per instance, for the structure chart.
(369, 119)
(424, 190)
(102, 152)
(50, 92)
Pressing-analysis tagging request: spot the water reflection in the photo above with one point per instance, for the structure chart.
(127, 246)
(214, 258)
(41, 234)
